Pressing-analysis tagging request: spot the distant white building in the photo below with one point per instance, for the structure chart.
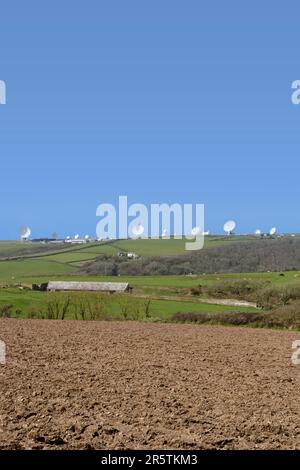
(77, 241)
(132, 256)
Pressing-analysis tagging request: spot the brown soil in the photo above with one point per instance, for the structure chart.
(115, 385)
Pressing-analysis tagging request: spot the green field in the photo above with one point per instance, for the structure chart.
(23, 300)
(21, 265)
(144, 248)
(21, 262)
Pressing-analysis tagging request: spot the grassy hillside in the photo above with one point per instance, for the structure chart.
(168, 294)
(236, 254)
(230, 257)
(144, 248)
(21, 265)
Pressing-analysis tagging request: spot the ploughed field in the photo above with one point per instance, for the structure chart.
(135, 385)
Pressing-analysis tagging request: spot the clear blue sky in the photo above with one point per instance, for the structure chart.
(162, 100)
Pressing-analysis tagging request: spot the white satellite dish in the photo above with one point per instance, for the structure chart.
(257, 232)
(229, 227)
(164, 232)
(24, 232)
(273, 231)
(138, 230)
(68, 237)
(87, 237)
(76, 237)
(195, 231)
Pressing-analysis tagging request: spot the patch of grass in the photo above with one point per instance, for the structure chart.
(22, 269)
(26, 301)
(5, 310)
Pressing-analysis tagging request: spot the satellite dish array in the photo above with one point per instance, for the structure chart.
(138, 230)
(272, 232)
(230, 226)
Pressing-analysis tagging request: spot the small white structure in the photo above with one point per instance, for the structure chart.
(132, 256)
(75, 241)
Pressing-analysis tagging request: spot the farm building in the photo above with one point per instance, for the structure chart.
(85, 286)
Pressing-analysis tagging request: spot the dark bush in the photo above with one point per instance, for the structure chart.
(191, 317)
(243, 289)
(227, 318)
(196, 290)
(5, 310)
(273, 296)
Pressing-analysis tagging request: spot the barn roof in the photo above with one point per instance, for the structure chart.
(88, 286)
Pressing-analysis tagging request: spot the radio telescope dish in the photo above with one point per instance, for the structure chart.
(76, 237)
(229, 227)
(195, 231)
(273, 231)
(24, 232)
(138, 230)
(257, 232)
(87, 237)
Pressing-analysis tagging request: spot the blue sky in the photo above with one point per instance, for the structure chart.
(163, 101)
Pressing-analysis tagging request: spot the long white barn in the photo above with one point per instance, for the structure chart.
(88, 286)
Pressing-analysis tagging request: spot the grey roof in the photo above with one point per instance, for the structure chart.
(88, 286)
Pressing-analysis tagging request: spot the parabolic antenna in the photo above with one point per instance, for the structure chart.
(138, 230)
(68, 237)
(76, 237)
(195, 231)
(257, 232)
(229, 227)
(164, 232)
(273, 231)
(87, 237)
(24, 232)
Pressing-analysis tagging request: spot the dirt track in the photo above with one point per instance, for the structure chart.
(108, 385)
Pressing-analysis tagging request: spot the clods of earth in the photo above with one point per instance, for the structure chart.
(130, 385)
